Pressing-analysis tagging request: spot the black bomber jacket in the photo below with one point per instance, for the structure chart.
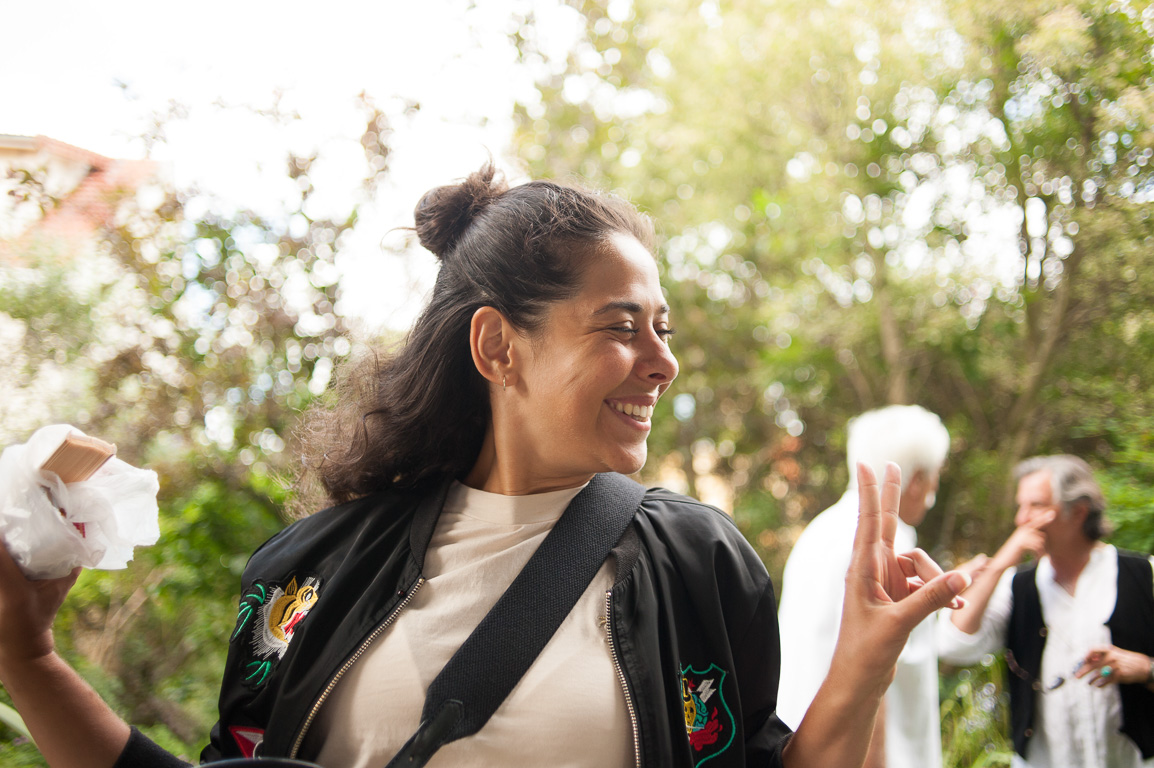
(693, 629)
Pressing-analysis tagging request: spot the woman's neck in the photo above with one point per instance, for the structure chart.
(510, 477)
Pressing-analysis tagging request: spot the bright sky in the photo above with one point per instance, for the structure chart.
(91, 74)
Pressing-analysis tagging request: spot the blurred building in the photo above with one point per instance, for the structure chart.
(57, 198)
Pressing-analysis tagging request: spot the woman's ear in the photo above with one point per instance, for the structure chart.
(491, 342)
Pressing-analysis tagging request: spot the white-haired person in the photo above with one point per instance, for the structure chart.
(1077, 626)
(908, 729)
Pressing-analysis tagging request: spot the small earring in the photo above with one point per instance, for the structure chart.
(503, 384)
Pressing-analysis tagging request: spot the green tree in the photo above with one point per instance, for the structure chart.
(868, 204)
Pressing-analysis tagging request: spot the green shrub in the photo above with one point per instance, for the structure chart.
(976, 715)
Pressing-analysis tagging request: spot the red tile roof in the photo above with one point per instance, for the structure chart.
(89, 207)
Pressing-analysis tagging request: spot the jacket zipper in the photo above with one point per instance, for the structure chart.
(621, 678)
(345, 667)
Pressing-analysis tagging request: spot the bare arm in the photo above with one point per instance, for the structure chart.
(1027, 538)
(886, 597)
(876, 756)
(71, 725)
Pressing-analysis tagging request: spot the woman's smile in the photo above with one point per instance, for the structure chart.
(639, 415)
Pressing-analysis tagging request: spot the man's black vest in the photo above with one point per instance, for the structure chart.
(1131, 627)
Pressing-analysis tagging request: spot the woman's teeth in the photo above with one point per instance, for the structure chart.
(641, 412)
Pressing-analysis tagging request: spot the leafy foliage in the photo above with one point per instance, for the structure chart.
(870, 204)
(191, 336)
(976, 716)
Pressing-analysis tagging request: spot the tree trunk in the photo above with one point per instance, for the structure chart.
(897, 368)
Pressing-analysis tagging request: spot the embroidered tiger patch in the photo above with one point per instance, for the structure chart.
(268, 617)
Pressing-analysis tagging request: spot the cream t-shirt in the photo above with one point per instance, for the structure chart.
(569, 708)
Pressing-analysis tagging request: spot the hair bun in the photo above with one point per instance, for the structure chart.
(444, 213)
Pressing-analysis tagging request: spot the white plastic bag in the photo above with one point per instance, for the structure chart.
(94, 523)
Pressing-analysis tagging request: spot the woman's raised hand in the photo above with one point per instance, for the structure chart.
(71, 725)
(27, 610)
(886, 594)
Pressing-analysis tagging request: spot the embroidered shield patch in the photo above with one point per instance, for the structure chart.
(268, 617)
(709, 723)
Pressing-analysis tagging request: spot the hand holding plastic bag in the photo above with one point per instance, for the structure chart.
(93, 523)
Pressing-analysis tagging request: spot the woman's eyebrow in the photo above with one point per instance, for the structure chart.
(628, 306)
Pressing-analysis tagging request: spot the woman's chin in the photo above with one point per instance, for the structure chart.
(629, 462)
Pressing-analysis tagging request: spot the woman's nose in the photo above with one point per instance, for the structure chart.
(660, 364)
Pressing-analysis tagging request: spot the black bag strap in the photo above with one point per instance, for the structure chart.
(460, 700)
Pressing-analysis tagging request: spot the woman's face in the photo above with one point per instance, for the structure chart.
(589, 378)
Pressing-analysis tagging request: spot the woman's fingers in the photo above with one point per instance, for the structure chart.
(924, 566)
(887, 595)
(869, 521)
(874, 559)
(9, 571)
(920, 569)
(877, 508)
(27, 609)
(940, 592)
(12, 577)
(891, 494)
(917, 563)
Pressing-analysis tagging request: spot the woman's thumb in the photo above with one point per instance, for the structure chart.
(940, 592)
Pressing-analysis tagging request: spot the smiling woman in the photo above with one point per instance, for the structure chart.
(524, 390)
(578, 395)
(504, 314)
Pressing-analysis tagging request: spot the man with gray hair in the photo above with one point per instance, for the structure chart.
(1077, 626)
(908, 729)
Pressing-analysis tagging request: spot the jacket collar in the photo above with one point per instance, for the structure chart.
(425, 520)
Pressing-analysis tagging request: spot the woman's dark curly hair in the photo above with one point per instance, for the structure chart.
(420, 415)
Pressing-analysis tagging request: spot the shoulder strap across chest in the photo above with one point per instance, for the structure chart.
(511, 636)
